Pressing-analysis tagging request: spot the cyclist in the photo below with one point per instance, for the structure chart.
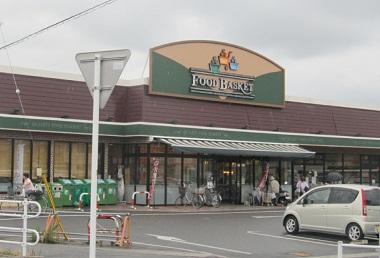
(27, 184)
(30, 191)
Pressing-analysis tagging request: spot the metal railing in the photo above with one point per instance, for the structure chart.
(341, 245)
(24, 230)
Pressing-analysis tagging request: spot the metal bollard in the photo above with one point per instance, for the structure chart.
(340, 249)
(134, 196)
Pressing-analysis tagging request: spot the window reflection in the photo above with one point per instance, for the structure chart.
(61, 160)
(40, 158)
(78, 160)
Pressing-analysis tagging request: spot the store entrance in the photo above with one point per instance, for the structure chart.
(228, 180)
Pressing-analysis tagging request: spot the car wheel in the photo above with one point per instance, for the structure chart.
(291, 225)
(354, 232)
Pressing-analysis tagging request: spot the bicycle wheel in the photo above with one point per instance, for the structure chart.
(197, 201)
(216, 200)
(44, 204)
(188, 199)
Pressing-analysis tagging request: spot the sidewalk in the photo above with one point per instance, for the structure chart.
(123, 207)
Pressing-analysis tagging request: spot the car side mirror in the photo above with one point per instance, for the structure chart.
(304, 201)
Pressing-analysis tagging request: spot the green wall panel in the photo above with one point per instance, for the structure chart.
(162, 130)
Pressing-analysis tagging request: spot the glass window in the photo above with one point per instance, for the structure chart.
(375, 174)
(61, 160)
(246, 172)
(78, 160)
(274, 169)
(317, 197)
(129, 177)
(40, 157)
(157, 148)
(246, 179)
(351, 168)
(190, 171)
(286, 176)
(143, 148)
(340, 195)
(174, 171)
(5, 160)
(130, 171)
(209, 170)
(334, 166)
(314, 171)
(131, 148)
(173, 179)
(372, 197)
(141, 179)
(365, 168)
(141, 175)
(299, 170)
(115, 159)
(258, 171)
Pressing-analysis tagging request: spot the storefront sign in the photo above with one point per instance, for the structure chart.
(216, 71)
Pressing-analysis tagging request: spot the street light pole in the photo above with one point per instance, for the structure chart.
(94, 155)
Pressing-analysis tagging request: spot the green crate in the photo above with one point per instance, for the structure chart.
(111, 191)
(56, 190)
(78, 188)
(67, 192)
(102, 191)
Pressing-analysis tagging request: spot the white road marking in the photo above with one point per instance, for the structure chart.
(181, 241)
(206, 213)
(180, 249)
(358, 255)
(307, 240)
(265, 217)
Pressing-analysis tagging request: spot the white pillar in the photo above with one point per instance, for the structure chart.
(94, 157)
(105, 160)
(340, 249)
(19, 164)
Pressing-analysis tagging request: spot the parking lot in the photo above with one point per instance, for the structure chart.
(164, 232)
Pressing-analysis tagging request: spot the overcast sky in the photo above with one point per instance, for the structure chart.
(330, 49)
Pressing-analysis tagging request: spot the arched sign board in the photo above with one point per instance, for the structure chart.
(216, 71)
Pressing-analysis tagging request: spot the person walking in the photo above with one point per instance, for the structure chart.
(302, 186)
(275, 189)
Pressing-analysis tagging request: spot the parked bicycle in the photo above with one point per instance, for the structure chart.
(189, 196)
(184, 198)
(212, 197)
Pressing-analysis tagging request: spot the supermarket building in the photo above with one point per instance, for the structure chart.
(208, 108)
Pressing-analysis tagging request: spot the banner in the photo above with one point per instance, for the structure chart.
(155, 163)
(264, 177)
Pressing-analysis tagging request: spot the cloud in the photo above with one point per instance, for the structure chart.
(328, 48)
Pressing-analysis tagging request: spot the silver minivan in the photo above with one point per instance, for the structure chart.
(353, 210)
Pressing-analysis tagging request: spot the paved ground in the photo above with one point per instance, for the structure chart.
(229, 231)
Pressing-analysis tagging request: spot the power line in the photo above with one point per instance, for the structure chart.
(14, 79)
(75, 16)
(13, 75)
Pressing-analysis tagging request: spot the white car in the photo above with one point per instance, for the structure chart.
(353, 210)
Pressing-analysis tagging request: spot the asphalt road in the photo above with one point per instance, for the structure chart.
(240, 234)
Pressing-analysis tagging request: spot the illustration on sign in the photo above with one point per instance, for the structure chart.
(219, 83)
(215, 71)
(223, 60)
